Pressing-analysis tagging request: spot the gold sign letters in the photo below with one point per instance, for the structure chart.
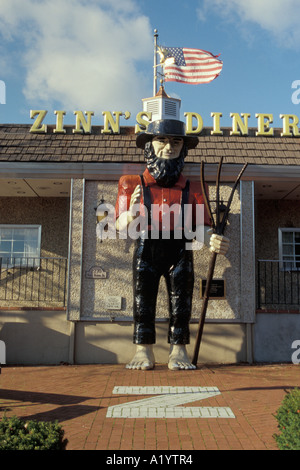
(194, 123)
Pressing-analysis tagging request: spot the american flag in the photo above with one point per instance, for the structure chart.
(193, 66)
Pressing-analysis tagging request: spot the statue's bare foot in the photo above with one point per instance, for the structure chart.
(178, 358)
(143, 358)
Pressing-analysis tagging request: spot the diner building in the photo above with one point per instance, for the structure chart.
(66, 293)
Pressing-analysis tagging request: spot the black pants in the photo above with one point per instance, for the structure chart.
(153, 259)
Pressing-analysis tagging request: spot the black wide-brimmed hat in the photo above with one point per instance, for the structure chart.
(166, 127)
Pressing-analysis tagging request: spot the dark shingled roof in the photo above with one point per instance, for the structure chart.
(17, 144)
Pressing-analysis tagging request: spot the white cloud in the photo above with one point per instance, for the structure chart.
(278, 17)
(81, 54)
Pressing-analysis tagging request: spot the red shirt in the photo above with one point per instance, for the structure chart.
(162, 199)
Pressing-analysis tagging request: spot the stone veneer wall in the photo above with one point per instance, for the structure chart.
(270, 215)
(51, 213)
(43, 287)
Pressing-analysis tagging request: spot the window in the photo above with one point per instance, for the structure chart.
(20, 245)
(289, 248)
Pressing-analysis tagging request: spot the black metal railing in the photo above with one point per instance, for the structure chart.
(278, 284)
(33, 279)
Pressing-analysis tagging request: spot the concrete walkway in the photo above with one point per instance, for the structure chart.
(107, 407)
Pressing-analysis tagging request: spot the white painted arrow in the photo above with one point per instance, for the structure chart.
(166, 405)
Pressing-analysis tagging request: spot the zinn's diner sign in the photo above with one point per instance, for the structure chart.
(194, 123)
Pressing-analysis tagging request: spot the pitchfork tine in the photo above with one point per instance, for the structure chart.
(204, 193)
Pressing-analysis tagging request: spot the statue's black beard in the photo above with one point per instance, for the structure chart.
(165, 172)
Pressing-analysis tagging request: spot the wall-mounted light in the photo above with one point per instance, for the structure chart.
(102, 211)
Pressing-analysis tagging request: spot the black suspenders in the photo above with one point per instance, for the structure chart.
(147, 198)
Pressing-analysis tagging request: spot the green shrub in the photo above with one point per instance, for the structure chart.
(16, 434)
(288, 417)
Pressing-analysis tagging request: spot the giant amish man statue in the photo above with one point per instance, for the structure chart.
(165, 144)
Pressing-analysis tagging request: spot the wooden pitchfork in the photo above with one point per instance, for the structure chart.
(218, 226)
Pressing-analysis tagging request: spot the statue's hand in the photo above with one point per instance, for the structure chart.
(136, 196)
(219, 244)
(125, 218)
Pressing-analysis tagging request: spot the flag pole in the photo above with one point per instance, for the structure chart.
(155, 63)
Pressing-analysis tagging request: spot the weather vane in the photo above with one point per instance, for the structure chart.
(163, 54)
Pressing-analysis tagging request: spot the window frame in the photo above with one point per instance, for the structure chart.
(35, 260)
(282, 257)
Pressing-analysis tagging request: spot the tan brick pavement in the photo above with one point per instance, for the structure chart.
(78, 397)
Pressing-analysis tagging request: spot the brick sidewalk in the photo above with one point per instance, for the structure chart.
(84, 400)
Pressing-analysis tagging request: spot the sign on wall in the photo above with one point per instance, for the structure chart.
(194, 123)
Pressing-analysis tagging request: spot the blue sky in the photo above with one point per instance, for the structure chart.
(98, 56)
